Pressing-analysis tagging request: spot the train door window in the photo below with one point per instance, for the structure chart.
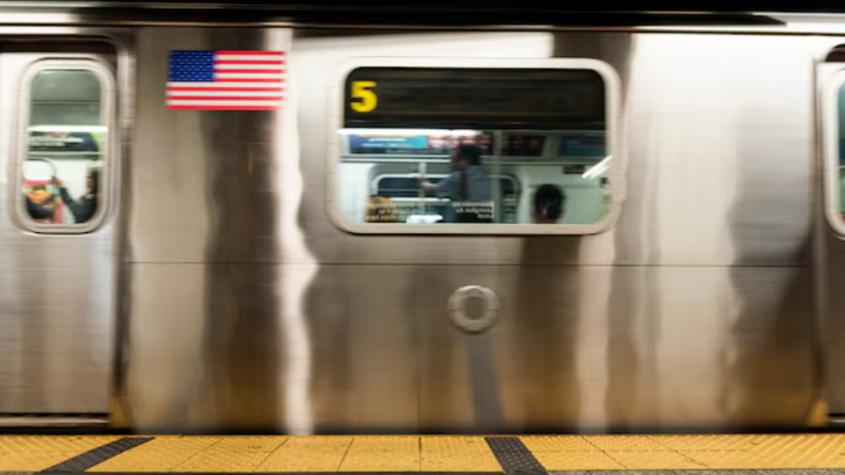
(476, 147)
(66, 113)
(834, 107)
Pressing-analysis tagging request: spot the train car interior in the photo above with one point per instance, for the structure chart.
(381, 168)
(397, 163)
(66, 143)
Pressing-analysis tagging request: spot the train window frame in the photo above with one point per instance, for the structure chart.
(108, 110)
(829, 107)
(613, 126)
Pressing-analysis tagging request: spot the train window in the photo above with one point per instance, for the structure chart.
(476, 147)
(65, 119)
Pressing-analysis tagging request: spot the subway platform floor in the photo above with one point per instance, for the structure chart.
(694, 454)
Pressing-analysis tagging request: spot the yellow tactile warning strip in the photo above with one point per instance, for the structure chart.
(162, 454)
(428, 454)
(232, 454)
(457, 454)
(382, 454)
(308, 454)
(37, 452)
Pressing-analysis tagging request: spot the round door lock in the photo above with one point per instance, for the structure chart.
(474, 308)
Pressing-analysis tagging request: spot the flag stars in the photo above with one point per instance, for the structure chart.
(243, 82)
(191, 66)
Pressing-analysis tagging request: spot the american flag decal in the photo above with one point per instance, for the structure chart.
(226, 80)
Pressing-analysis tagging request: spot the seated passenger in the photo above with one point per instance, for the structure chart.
(549, 201)
(468, 182)
(381, 209)
(84, 208)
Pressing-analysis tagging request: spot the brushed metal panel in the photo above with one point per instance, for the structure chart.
(640, 360)
(593, 349)
(831, 280)
(253, 310)
(226, 364)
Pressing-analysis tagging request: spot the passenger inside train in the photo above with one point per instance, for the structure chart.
(443, 146)
(85, 206)
(380, 209)
(549, 204)
(417, 176)
(42, 208)
(467, 187)
(66, 152)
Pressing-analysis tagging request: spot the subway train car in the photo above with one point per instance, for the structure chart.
(326, 219)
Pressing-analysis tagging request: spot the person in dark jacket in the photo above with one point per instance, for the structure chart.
(83, 208)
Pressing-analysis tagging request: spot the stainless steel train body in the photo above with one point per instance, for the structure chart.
(218, 289)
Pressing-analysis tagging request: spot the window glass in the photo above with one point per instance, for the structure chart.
(66, 147)
(441, 146)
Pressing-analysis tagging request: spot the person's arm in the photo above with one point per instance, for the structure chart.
(81, 210)
(426, 185)
(445, 188)
(62, 190)
(68, 200)
(75, 209)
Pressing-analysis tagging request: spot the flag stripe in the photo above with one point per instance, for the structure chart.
(226, 102)
(228, 84)
(250, 52)
(218, 88)
(250, 80)
(246, 57)
(226, 93)
(225, 70)
(222, 98)
(259, 68)
(225, 108)
(223, 61)
(248, 76)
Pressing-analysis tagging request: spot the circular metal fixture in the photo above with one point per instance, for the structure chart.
(474, 308)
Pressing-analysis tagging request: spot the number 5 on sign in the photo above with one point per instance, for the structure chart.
(363, 91)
